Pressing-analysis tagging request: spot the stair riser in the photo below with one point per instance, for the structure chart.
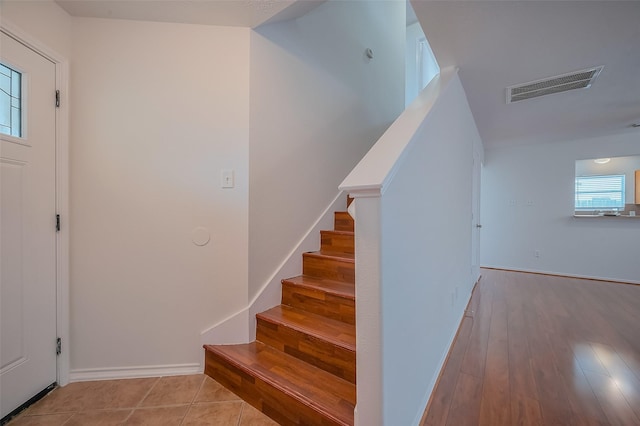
(271, 401)
(343, 222)
(333, 269)
(318, 302)
(325, 355)
(338, 243)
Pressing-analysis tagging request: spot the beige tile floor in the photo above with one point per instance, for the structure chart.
(179, 400)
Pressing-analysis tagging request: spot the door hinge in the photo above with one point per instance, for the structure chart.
(57, 223)
(57, 99)
(58, 346)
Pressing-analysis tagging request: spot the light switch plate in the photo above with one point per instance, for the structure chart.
(227, 178)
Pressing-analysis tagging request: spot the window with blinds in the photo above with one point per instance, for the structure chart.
(600, 192)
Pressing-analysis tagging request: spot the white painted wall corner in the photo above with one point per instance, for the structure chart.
(241, 326)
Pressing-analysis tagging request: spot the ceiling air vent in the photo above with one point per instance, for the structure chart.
(560, 83)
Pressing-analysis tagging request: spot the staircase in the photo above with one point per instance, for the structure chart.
(301, 370)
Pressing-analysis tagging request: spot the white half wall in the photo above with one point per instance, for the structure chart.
(527, 206)
(413, 196)
(317, 105)
(158, 110)
(426, 255)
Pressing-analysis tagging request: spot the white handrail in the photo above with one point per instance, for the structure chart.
(378, 166)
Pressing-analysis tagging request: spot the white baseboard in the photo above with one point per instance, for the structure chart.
(137, 372)
(562, 274)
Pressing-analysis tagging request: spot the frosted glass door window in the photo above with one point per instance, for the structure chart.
(10, 101)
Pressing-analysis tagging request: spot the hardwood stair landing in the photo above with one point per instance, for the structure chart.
(301, 370)
(255, 370)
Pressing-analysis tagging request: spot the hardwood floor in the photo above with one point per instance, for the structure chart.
(543, 350)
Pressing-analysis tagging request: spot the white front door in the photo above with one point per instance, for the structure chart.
(27, 216)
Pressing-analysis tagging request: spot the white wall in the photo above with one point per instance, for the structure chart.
(617, 166)
(43, 20)
(317, 106)
(157, 111)
(527, 205)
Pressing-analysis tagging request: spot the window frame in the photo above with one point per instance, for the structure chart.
(18, 131)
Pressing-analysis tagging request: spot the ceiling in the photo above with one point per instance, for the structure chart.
(497, 44)
(234, 13)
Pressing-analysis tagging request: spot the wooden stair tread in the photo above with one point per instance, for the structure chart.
(343, 257)
(330, 265)
(337, 288)
(333, 331)
(337, 232)
(326, 393)
(321, 295)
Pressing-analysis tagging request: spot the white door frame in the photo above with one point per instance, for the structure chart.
(62, 190)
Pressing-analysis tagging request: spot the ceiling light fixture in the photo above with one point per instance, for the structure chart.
(602, 160)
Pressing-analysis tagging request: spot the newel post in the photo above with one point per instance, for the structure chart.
(369, 348)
